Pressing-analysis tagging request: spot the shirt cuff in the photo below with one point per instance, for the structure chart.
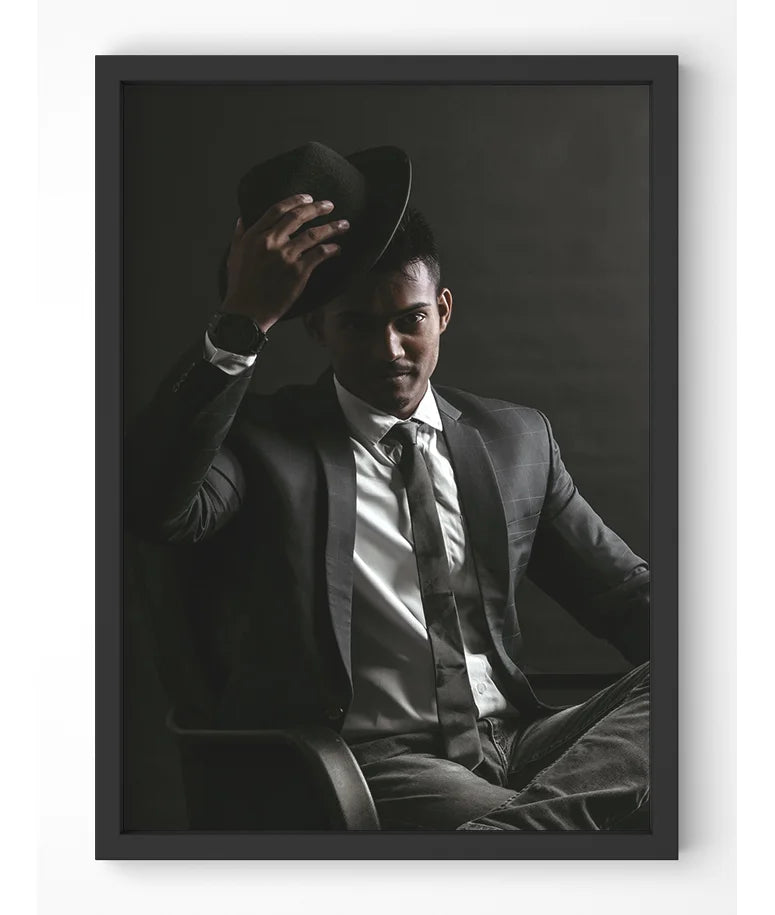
(231, 363)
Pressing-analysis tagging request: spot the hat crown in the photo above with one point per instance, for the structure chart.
(312, 168)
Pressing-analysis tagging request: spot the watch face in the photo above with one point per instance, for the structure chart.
(236, 334)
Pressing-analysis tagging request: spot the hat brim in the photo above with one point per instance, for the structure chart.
(387, 172)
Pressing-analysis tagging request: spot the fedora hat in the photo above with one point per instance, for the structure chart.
(369, 188)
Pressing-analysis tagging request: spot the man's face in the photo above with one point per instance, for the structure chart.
(383, 337)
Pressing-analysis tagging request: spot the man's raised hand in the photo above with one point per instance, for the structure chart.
(267, 269)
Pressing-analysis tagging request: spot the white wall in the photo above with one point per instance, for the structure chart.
(703, 34)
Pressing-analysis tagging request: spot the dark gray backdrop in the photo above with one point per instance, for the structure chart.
(539, 196)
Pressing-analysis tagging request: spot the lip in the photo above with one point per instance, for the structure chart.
(393, 376)
(393, 373)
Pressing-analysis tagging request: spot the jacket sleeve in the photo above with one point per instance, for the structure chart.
(181, 483)
(583, 565)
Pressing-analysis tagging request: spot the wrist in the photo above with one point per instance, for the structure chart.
(238, 333)
(233, 305)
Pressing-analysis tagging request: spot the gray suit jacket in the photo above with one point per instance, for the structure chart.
(263, 487)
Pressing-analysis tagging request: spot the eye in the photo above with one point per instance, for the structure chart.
(411, 320)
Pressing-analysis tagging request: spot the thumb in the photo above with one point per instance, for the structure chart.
(239, 230)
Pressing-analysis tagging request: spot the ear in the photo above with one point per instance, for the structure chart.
(444, 304)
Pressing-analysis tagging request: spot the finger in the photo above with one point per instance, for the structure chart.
(277, 211)
(239, 231)
(294, 219)
(315, 235)
(315, 256)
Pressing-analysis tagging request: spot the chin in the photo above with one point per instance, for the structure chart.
(401, 405)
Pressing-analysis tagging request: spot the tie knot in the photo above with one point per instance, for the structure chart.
(402, 434)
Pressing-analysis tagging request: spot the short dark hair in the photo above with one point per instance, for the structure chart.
(412, 243)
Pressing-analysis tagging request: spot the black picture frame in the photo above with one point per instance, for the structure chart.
(660, 74)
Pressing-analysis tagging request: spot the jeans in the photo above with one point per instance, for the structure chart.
(582, 768)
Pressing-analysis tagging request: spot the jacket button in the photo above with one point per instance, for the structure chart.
(333, 713)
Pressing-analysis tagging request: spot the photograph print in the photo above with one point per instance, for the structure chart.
(386, 458)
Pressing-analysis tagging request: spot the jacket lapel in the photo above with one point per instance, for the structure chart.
(331, 440)
(482, 507)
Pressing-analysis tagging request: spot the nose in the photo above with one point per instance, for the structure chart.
(389, 345)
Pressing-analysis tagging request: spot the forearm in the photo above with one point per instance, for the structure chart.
(180, 483)
(587, 568)
(583, 565)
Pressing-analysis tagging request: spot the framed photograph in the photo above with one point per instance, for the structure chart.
(387, 457)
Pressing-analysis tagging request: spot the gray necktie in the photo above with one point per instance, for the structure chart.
(454, 700)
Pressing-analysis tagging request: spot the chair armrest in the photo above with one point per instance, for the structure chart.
(325, 754)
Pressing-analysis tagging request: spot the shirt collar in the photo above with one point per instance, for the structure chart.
(370, 425)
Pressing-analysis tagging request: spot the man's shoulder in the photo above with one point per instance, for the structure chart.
(492, 410)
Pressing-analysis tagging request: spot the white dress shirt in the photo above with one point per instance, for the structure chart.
(392, 664)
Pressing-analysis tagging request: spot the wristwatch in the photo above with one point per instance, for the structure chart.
(236, 333)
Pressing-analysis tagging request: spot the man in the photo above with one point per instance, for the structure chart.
(374, 529)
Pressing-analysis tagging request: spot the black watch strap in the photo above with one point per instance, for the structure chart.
(236, 333)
